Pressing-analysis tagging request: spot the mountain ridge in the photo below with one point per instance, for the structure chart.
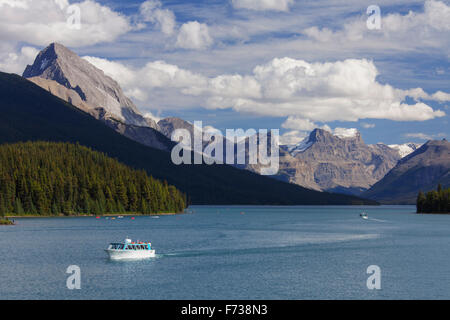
(421, 170)
(30, 113)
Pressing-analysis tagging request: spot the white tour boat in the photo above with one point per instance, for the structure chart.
(364, 215)
(130, 250)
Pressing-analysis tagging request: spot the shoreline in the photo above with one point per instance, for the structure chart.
(6, 222)
(93, 215)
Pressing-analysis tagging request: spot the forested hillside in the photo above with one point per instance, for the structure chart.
(53, 178)
(435, 201)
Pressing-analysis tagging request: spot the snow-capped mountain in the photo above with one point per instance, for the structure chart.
(405, 149)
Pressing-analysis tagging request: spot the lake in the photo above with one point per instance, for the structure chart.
(234, 253)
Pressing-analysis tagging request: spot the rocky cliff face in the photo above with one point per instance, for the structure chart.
(327, 162)
(422, 170)
(73, 79)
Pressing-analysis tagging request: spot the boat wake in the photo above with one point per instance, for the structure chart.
(377, 220)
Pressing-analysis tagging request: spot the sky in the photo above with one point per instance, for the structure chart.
(264, 64)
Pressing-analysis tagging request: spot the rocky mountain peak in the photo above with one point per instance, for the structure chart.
(99, 93)
(325, 137)
(337, 161)
(320, 135)
(168, 125)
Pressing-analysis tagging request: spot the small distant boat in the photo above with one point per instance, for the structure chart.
(155, 217)
(130, 250)
(364, 215)
(120, 217)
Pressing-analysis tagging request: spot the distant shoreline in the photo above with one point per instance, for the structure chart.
(93, 215)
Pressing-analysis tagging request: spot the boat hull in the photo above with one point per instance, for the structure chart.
(130, 254)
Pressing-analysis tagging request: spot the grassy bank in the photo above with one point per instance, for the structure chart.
(6, 222)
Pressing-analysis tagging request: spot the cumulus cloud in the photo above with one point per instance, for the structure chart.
(152, 11)
(154, 75)
(292, 137)
(343, 90)
(14, 62)
(194, 35)
(263, 5)
(45, 21)
(345, 132)
(297, 123)
(429, 28)
(306, 92)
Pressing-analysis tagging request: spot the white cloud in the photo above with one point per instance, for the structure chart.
(151, 11)
(424, 136)
(292, 137)
(301, 124)
(45, 21)
(14, 3)
(440, 96)
(194, 35)
(366, 125)
(152, 117)
(429, 29)
(146, 83)
(345, 132)
(263, 5)
(342, 90)
(14, 62)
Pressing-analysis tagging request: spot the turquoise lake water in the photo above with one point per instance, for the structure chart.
(220, 253)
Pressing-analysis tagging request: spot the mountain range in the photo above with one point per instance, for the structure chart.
(345, 164)
(31, 113)
(323, 161)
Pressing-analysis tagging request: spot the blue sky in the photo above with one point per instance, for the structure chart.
(285, 64)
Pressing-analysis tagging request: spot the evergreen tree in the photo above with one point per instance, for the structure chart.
(436, 201)
(18, 208)
(2, 207)
(53, 178)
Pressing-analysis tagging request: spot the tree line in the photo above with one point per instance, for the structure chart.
(46, 178)
(436, 201)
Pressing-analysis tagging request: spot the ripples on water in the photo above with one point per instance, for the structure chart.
(233, 253)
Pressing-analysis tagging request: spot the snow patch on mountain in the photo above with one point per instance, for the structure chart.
(405, 149)
(301, 147)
